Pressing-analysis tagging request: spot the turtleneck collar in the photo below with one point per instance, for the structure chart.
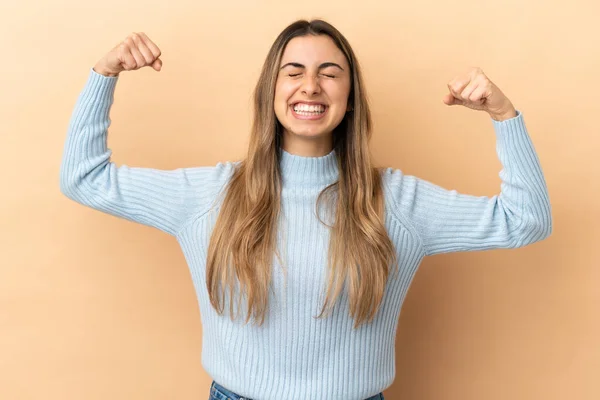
(309, 170)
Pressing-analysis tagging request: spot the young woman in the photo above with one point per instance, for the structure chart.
(305, 237)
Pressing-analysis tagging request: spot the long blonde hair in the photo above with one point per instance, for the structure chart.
(243, 240)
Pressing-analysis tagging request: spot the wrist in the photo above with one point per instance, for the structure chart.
(100, 70)
(504, 114)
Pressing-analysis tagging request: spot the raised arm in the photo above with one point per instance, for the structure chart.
(448, 221)
(158, 198)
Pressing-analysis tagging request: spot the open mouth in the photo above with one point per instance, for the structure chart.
(309, 111)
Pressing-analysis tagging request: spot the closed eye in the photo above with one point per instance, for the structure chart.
(327, 75)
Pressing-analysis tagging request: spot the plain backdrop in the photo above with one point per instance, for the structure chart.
(93, 307)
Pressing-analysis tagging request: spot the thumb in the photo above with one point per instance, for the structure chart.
(450, 100)
(157, 64)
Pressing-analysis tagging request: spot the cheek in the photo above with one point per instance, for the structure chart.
(284, 90)
(282, 95)
(338, 93)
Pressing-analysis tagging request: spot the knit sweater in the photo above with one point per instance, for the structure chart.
(294, 355)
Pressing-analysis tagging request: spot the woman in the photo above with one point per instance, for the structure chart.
(305, 223)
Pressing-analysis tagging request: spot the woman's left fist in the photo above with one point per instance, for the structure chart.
(475, 91)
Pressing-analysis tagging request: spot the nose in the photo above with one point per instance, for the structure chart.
(310, 85)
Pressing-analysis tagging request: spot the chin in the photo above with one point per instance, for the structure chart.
(307, 130)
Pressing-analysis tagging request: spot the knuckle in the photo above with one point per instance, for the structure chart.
(134, 38)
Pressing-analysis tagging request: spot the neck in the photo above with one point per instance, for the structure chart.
(314, 147)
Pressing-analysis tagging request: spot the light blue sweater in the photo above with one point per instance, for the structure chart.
(293, 355)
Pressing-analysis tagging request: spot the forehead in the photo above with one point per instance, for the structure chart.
(312, 49)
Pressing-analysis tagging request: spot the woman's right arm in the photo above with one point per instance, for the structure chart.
(163, 199)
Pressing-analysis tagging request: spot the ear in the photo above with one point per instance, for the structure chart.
(349, 108)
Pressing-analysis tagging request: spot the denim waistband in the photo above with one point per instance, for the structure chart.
(219, 392)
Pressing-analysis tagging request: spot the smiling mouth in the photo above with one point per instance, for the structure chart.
(308, 111)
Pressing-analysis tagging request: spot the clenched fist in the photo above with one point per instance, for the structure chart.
(135, 52)
(476, 91)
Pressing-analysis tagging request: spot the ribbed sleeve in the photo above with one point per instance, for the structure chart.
(163, 199)
(448, 221)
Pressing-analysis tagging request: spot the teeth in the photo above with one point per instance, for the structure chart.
(315, 109)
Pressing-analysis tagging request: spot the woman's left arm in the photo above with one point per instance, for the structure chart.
(448, 221)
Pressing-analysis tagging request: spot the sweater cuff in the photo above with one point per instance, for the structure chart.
(102, 86)
(514, 124)
(98, 90)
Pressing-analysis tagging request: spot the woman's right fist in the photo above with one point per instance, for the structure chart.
(135, 52)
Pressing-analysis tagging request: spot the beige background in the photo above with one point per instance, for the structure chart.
(93, 307)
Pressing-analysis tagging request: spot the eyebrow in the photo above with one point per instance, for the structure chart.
(322, 66)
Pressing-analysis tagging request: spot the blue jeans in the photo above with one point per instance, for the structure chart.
(218, 392)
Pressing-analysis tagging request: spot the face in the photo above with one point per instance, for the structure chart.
(312, 89)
